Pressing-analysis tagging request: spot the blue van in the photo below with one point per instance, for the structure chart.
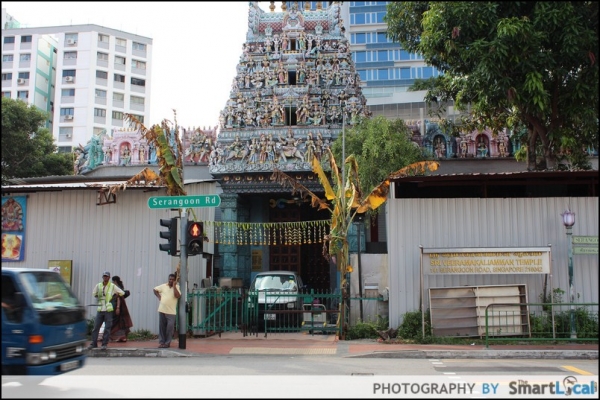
(43, 324)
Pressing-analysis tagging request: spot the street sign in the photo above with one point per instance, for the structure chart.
(207, 200)
(585, 245)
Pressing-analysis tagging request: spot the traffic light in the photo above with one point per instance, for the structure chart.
(170, 235)
(195, 238)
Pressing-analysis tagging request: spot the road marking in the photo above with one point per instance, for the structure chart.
(577, 370)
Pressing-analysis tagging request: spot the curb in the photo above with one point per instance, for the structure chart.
(408, 354)
(485, 354)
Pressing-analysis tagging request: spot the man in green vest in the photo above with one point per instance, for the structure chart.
(104, 292)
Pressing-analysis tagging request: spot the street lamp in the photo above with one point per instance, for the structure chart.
(569, 220)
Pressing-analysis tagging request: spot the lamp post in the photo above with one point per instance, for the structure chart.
(569, 220)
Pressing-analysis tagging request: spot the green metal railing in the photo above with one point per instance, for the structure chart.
(541, 322)
(216, 310)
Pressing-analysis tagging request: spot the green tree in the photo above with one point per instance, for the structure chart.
(523, 65)
(379, 146)
(28, 149)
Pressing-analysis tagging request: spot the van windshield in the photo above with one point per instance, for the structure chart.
(47, 290)
(274, 282)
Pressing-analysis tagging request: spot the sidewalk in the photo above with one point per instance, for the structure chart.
(234, 343)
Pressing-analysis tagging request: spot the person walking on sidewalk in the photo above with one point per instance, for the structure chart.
(104, 292)
(168, 294)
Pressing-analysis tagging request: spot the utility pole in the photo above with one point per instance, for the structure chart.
(183, 278)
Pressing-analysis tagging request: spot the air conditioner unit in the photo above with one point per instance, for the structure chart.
(69, 79)
(71, 41)
(68, 134)
(21, 81)
(68, 117)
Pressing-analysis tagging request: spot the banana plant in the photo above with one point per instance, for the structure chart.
(344, 200)
(169, 151)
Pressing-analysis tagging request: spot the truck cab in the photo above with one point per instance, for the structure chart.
(43, 324)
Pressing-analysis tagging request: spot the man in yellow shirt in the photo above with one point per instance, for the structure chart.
(168, 294)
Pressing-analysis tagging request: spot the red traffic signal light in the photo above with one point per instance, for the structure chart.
(195, 238)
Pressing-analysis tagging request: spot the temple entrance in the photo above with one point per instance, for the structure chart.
(305, 259)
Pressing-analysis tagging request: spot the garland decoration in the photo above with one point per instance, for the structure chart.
(266, 233)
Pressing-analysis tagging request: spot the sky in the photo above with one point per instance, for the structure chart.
(195, 83)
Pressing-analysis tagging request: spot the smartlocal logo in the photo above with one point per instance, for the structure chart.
(569, 386)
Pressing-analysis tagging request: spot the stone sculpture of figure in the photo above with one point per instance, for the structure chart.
(302, 73)
(303, 112)
(302, 42)
(482, 149)
(289, 147)
(142, 154)
(107, 154)
(334, 115)
(502, 148)
(125, 155)
(281, 73)
(79, 161)
(277, 112)
(316, 115)
(463, 148)
(284, 42)
(309, 153)
(440, 148)
(152, 153)
(319, 147)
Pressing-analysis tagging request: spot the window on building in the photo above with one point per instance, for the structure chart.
(100, 93)
(102, 56)
(70, 55)
(138, 64)
(7, 58)
(103, 38)
(99, 112)
(357, 19)
(117, 115)
(382, 37)
(427, 72)
(68, 72)
(382, 55)
(65, 131)
(138, 46)
(120, 60)
(71, 37)
(67, 92)
(23, 94)
(67, 111)
(358, 38)
(6, 94)
(26, 39)
(382, 74)
(102, 74)
(24, 75)
(405, 73)
(360, 56)
(139, 117)
(119, 78)
(138, 82)
(7, 76)
(25, 57)
(137, 100)
(121, 42)
(118, 96)
(9, 39)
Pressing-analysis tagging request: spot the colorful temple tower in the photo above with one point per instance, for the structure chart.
(295, 91)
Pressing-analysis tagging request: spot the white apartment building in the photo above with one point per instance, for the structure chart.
(85, 76)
